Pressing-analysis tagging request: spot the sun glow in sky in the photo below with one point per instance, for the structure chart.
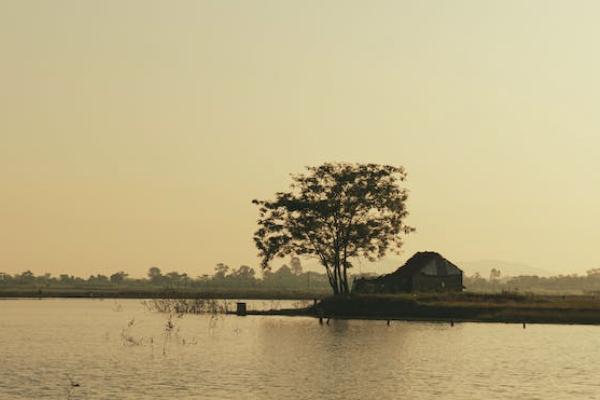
(136, 133)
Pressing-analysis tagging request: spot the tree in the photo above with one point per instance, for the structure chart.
(593, 273)
(495, 274)
(221, 271)
(282, 278)
(5, 278)
(335, 212)
(98, 280)
(26, 277)
(174, 278)
(244, 276)
(155, 275)
(243, 273)
(296, 266)
(118, 277)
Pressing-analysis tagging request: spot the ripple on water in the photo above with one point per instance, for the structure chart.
(46, 344)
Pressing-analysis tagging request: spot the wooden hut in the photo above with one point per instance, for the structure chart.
(425, 271)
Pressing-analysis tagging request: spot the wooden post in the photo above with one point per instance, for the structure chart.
(241, 309)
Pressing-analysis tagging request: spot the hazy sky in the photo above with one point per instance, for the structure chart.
(136, 133)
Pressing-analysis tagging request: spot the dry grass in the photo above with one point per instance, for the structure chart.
(187, 306)
(501, 307)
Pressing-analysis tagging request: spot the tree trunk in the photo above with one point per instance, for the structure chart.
(340, 280)
(346, 287)
(332, 280)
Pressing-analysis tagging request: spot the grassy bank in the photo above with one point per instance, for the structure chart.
(504, 307)
(466, 306)
(156, 293)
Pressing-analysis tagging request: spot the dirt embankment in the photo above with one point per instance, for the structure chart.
(505, 307)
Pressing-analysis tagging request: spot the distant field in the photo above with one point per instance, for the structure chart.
(149, 293)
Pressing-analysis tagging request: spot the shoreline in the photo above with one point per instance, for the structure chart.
(451, 321)
(449, 308)
(160, 293)
(501, 308)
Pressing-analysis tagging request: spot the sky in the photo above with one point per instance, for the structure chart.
(135, 133)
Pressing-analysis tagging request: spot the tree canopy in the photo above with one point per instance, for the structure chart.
(335, 212)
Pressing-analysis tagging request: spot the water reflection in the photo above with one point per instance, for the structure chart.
(45, 342)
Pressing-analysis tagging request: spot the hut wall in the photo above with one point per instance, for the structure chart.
(427, 283)
(381, 286)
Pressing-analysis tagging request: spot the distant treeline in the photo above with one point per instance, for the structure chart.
(532, 283)
(286, 277)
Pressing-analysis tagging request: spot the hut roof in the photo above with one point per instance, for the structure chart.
(426, 262)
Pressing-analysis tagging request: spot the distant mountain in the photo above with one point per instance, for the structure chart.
(506, 268)
(390, 264)
(484, 267)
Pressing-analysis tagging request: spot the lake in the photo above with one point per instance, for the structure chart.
(118, 349)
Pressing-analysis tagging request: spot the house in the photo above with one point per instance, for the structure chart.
(424, 272)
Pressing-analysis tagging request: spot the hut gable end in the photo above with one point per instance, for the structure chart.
(424, 271)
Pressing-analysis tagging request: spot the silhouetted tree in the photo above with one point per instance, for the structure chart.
(282, 278)
(5, 278)
(335, 212)
(26, 277)
(174, 278)
(296, 266)
(155, 275)
(220, 271)
(118, 277)
(244, 273)
(593, 273)
(98, 280)
(495, 274)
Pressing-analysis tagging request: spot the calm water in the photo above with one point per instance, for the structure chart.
(45, 343)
